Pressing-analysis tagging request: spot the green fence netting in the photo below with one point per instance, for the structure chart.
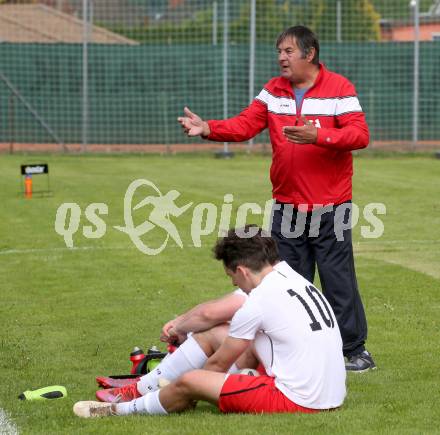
(137, 92)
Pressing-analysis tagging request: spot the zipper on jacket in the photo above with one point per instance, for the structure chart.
(299, 110)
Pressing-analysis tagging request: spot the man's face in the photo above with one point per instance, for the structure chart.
(240, 279)
(292, 64)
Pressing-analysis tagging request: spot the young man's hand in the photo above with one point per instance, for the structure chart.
(170, 334)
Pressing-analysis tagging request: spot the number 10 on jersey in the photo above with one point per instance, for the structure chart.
(311, 292)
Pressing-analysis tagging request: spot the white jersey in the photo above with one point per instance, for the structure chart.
(296, 338)
(281, 266)
(240, 292)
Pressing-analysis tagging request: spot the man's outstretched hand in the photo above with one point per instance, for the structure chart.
(193, 125)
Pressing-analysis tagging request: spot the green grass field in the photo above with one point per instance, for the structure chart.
(69, 315)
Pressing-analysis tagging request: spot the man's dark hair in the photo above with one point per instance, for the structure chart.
(305, 40)
(238, 249)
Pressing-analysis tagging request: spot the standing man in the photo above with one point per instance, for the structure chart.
(315, 121)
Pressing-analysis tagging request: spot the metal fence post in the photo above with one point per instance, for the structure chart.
(11, 123)
(214, 22)
(338, 21)
(252, 36)
(85, 77)
(225, 65)
(415, 4)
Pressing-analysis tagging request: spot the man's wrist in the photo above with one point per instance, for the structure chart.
(323, 137)
(177, 331)
(206, 129)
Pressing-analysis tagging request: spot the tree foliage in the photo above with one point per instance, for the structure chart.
(398, 9)
(19, 2)
(360, 22)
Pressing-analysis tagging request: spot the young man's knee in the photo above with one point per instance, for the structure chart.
(248, 359)
(188, 382)
(211, 339)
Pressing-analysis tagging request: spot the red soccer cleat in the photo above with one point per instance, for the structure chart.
(109, 382)
(115, 395)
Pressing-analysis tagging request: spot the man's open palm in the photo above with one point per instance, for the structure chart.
(192, 124)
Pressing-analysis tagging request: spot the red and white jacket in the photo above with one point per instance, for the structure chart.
(309, 174)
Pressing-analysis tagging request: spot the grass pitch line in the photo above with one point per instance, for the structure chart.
(358, 246)
(394, 242)
(81, 248)
(7, 427)
(426, 267)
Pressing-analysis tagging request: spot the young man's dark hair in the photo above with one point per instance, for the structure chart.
(305, 40)
(253, 252)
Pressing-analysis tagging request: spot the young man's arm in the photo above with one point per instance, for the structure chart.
(203, 316)
(227, 354)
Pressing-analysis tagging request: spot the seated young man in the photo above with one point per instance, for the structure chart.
(198, 332)
(285, 323)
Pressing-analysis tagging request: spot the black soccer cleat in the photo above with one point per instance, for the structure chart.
(360, 363)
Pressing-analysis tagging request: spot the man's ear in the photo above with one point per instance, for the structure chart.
(311, 54)
(243, 270)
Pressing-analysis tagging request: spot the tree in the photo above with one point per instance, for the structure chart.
(359, 21)
(398, 9)
(273, 16)
(19, 2)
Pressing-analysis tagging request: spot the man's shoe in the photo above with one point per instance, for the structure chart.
(89, 408)
(123, 394)
(359, 363)
(109, 382)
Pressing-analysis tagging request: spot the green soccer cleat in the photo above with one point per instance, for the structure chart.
(46, 393)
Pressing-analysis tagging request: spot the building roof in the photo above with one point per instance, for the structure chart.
(40, 23)
(138, 13)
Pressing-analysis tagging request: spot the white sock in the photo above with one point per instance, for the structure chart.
(234, 369)
(148, 404)
(153, 405)
(188, 356)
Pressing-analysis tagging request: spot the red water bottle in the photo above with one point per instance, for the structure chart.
(171, 348)
(136, 357)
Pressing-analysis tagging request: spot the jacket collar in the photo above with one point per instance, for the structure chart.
(283, 83)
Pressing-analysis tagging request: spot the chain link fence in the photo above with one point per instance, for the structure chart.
(115, 74)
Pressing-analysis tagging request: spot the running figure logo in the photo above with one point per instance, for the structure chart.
(164, 207)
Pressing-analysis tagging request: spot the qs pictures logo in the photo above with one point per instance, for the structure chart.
(150, 222)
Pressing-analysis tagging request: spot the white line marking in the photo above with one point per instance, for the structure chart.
(374, 244)
(424, 268)
(82, 248)
(7, 427)
(393, 242)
